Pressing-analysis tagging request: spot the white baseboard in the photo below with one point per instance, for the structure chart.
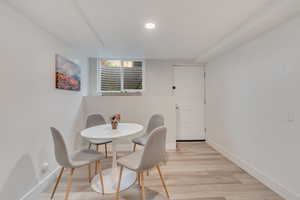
(34, 193)
(276, 187)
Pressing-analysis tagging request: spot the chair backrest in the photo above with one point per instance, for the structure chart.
(155, 121)
(95, 120)
(154, 151)
(60, 148)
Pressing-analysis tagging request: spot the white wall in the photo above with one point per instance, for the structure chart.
(157, 98)
(159, 78)
(136, 109)
(253, 107)
(29, 103)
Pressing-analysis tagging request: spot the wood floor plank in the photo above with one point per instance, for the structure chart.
(194, 172)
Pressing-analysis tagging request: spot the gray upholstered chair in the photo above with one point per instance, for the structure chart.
(72, 161)
(96, 120)
(155, 121)
(153, 154)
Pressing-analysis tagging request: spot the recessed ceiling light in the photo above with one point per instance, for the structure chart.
(150, 25)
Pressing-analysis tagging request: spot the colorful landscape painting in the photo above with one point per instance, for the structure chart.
(67, 74)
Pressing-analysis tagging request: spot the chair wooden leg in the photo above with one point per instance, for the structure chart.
(90, 176)
(143, 186)
(105, 150)
(96, 167)
(139, 178)
(69, 184)
(97, 149)
(119, 184)
(162, 181)
(100, 175)
(57, 181)
(134, 147)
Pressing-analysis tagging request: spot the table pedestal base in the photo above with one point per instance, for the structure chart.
(110, 185)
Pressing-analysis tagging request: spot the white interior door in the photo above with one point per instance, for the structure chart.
(189, 98)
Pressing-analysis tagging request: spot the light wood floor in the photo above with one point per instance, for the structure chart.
(194, 172)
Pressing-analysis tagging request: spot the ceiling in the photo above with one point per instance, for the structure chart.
(115, 28)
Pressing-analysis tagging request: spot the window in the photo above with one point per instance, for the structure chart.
(120, 76)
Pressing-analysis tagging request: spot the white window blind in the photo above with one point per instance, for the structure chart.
(120, 76)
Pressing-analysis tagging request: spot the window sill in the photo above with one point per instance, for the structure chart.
(121, 94)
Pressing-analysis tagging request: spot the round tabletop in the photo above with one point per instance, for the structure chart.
(105, 131)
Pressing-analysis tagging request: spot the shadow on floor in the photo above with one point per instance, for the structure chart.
(134, 193)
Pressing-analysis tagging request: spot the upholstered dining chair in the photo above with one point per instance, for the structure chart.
(153, 154)
(155, 121)
(96, 120)
(73, 161)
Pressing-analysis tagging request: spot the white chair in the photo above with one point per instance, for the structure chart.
(151, 156)
(73, 161)
(155, 121)
(96, 120)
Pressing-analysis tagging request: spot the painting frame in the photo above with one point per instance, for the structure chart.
(67, 74)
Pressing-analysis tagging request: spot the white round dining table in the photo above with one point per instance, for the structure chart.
(110, 176)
